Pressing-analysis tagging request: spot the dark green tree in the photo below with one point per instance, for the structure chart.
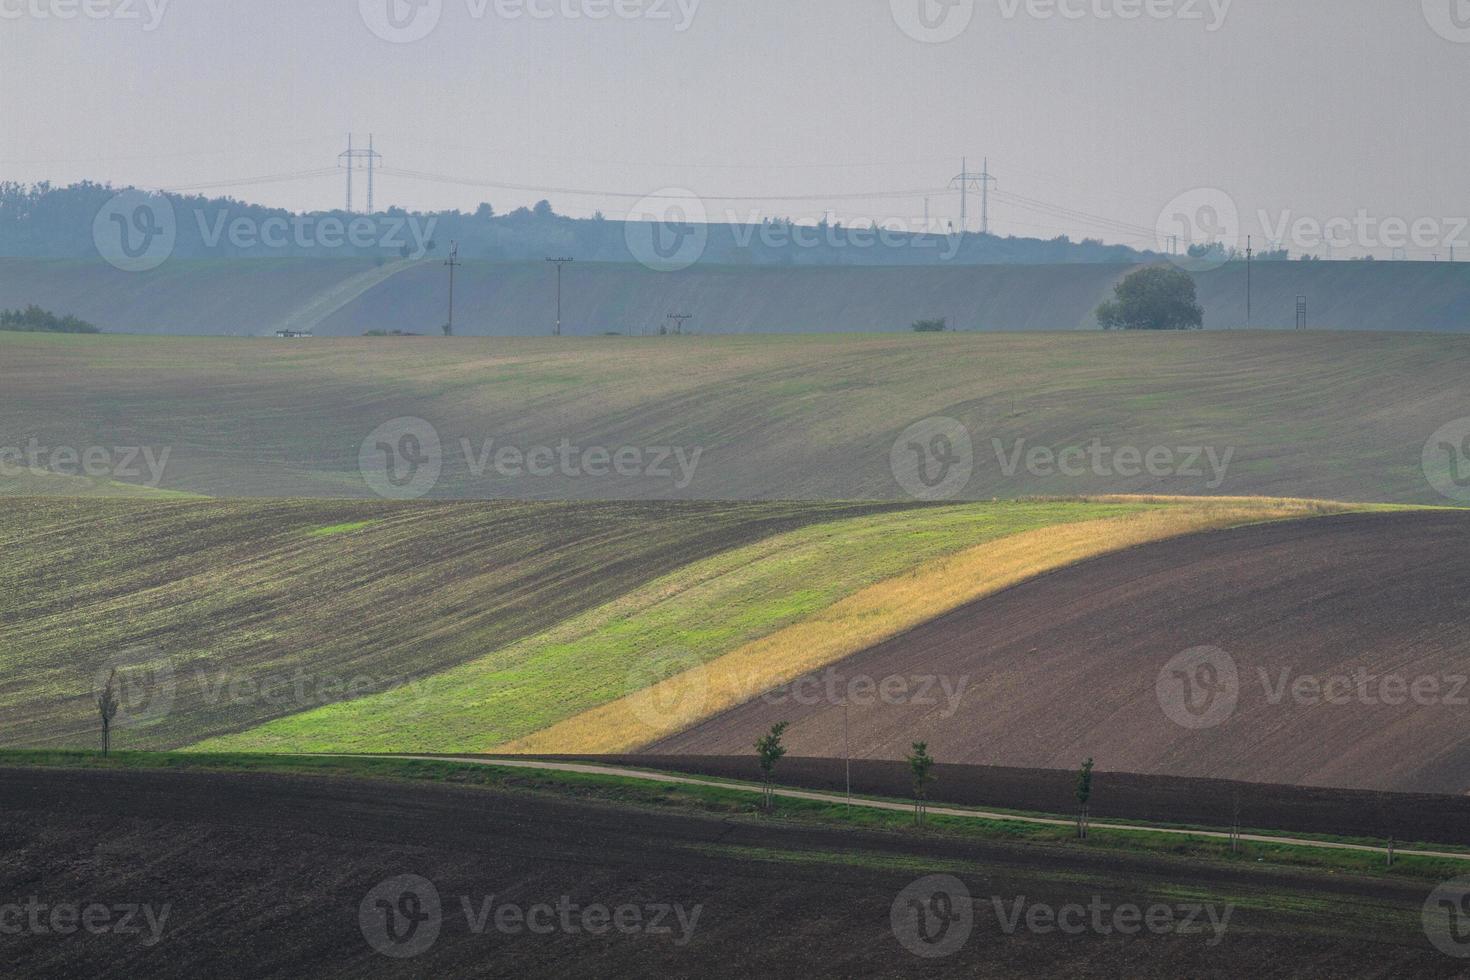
(770, 750)
(107, 708)
(1157, 298)
(921, 764)
(1084, 797)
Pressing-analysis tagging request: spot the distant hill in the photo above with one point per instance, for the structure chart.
(348, 297)
(1288, 414)
(63, 222)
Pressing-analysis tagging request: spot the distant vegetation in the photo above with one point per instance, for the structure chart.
(45, 221)
(33, 319)
(931, 326)
(1156, 298)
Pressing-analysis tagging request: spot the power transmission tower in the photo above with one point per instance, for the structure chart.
(981, 181)
(679, 319)
(985, 181)
(559, 263)
(1301, 313)
(453, 263)
(350, 158)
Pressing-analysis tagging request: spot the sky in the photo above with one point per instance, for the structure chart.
(1126, 120)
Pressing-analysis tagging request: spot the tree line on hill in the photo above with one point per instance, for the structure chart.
(47, 221)
(33, 319)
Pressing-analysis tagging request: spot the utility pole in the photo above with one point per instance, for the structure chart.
(679, 319)
(453, 264)
(559, 263)
(349, 160)
(847, 752)
(1248, 253)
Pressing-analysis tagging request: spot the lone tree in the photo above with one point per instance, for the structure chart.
(107, 708)
(1160, 297)
(921, 764)
(770, 750)
(1084, 796)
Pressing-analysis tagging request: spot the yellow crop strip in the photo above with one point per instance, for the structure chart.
(882, 611)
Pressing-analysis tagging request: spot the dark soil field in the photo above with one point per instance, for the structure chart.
(267, 875)
(1336, 656)
(1121, 796)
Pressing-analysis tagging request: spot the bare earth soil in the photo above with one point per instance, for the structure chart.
(267, 876)
(1340, 658)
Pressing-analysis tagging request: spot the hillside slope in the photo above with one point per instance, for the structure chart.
(253, 297)
(692, 616)
(239, 298)
(1321, 415)
(222, 615)
(1330, 652)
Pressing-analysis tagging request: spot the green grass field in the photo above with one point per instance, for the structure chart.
(1333, 416)
(454, 627)
(227, 614)
(687, 618)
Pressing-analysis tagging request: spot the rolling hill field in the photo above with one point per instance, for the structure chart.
(1328, 652)
(456, 627)
(347, 297)
(263, 873)
(222, 615)
(1321, 415)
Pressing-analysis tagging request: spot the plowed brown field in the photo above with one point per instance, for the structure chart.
(1336, 655)
(264, 875)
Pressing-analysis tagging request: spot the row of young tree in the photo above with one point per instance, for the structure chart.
(770, 750)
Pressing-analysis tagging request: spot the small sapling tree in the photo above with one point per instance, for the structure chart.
(107, 709)
(770, 750)
(1084, 797)
(921, 764)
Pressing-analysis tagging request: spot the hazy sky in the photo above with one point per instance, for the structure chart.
(1315, 108)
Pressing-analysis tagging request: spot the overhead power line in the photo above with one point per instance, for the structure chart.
(635, 195)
